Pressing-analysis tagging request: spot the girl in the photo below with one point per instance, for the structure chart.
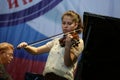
(63, 52)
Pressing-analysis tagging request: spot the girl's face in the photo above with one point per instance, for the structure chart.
(68, 25)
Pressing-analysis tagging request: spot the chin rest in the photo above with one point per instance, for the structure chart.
(33, 76)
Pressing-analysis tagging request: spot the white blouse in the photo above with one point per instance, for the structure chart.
(55, 61)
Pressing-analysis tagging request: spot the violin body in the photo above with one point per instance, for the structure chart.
(75, 40)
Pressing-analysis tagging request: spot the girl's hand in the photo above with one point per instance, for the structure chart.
(22, 45)
(68, 42)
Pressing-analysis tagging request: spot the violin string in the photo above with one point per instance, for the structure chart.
(49, 38)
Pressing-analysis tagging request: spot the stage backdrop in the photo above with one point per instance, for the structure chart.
(30, 21)
(37, 20)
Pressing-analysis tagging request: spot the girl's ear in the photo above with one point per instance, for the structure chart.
(76, 25)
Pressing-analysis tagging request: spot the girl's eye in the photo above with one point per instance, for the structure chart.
(63, 22)
(68, 23)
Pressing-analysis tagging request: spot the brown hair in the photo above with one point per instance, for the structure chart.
(5, 46)
(76, 17)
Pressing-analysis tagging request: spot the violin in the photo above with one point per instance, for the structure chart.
(75, 40)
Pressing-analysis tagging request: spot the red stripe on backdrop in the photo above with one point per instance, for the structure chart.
(18, 67)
